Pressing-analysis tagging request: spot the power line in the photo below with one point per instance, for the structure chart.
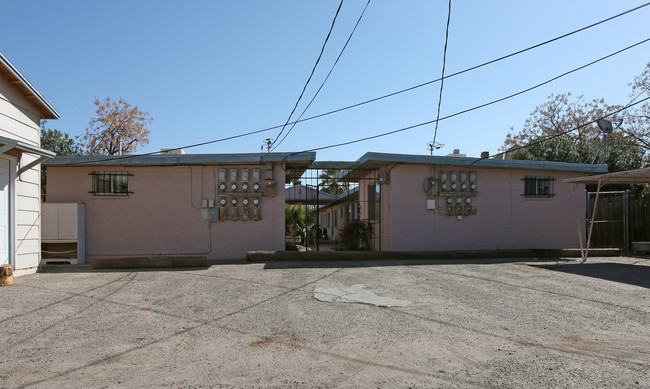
(412, 88)
(442, 78)
(326, 78)
(312, 71)
(468, 69)
(478, 107)
(415, 86)
(564, 132)
(401, 129)
(458, 113)
(462, 71)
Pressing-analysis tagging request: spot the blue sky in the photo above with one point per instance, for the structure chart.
(212, 69)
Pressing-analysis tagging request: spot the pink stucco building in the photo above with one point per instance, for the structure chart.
(223, 205)
(218, 205)
(422, 203)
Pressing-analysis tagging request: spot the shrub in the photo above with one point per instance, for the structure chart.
(356, 235)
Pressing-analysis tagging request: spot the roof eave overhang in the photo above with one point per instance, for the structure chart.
(295, 160)
(41, 154)
(377, 160)
(16, 78)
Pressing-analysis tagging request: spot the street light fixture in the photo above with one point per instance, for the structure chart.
(606, 128)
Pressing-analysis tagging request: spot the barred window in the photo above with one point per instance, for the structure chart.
(110, 183)
(540, 187)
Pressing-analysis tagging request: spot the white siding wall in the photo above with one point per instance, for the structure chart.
(20, 120)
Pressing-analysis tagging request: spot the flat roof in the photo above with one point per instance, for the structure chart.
(373, 160)
(294, 164)
(305, 194)
(179, 159)
(306, 160)
(16, 78)
(638, 176)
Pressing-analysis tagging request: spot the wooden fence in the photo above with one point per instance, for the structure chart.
(639, 219)
(619, 221)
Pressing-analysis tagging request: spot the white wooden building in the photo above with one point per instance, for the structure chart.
(21, 109)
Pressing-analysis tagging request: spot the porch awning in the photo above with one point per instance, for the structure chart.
(42, 154)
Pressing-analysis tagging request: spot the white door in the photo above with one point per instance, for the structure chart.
(4, 211)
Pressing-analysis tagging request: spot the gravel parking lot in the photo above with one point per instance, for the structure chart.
(544, 324)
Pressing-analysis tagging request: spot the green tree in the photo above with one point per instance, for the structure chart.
(637, 119)
(621, 154)
(329, 183)
(117, 127)
(296, 220)
(59, 142)
(540, 135)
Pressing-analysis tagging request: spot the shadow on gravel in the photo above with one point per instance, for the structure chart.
(399, 262)
(617, 272)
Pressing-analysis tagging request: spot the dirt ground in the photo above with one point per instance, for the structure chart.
(471, 324)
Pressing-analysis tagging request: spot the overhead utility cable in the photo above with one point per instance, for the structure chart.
(457, 73)
(565, 132)
(418, 125)
(275, 146)
(312, 71)
(482, 105)
(458, 113)
(465, 70)
(442, 79)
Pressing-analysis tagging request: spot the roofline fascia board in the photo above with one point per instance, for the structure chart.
(469, 161)
(340, 165)
(183, 159)
(12, 69)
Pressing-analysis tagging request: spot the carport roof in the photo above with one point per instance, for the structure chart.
(639, 176)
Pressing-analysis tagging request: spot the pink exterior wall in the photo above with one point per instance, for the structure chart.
(505, 219)
(333, 220)
(163, 215)
(380, 235)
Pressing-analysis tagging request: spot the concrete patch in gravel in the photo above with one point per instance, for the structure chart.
(357, 294)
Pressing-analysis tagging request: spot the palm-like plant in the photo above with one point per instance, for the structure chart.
(296, 220)
(329, 184)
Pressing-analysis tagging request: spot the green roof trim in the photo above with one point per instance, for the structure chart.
(372, 157)
(178, 159)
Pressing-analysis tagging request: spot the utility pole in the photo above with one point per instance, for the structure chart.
(268, 142)
(431, 146)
